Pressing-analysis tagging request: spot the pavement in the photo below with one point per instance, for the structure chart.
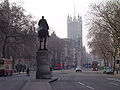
(118, 74)
(39, 84)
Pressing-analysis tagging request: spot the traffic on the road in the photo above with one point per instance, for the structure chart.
(85, 80)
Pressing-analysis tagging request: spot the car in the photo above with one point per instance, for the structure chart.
(78, 69)
(105, 68)
(94, 68)
(108, 70)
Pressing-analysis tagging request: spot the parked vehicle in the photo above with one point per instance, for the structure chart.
(6, 67)
(108, 70)
(78, 69)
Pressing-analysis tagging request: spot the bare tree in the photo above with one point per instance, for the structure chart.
(17, 31)
(104, 27)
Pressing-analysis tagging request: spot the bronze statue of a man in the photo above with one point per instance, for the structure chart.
(43, 32)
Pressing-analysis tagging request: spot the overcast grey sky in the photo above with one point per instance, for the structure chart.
(56, 12)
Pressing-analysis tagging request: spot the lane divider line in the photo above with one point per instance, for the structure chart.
(90, 87)
(114, 84)
(86, 86)
(114, 79)
(81, 83)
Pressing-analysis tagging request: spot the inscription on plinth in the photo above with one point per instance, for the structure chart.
(43, 65)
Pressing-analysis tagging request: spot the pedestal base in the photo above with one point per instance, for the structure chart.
(43, 65)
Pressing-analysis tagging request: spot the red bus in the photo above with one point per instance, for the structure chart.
(6, 67)
(59, 66)
(94, 63)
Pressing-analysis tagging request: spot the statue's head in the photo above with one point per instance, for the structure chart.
(42, 17)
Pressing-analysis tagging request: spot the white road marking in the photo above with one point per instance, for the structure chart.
(81, 83)
(114, 79)
(114, 84)
(86, 86)
(90, 87)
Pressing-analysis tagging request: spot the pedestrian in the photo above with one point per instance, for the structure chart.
(28, 72)
(50, 68)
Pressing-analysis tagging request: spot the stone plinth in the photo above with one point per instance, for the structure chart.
(43, 65)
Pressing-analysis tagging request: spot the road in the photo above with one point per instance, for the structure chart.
(15, 82)
(86, 80)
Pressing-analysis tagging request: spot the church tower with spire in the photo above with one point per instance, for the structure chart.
(74, 28)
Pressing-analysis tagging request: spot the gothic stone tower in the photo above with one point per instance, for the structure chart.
(74, 29)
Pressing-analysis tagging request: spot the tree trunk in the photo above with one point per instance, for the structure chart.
(4, 49)
(105, 62)
(14, 57)
(114, 63)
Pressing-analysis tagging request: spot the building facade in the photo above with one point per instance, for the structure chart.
(74, 33)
